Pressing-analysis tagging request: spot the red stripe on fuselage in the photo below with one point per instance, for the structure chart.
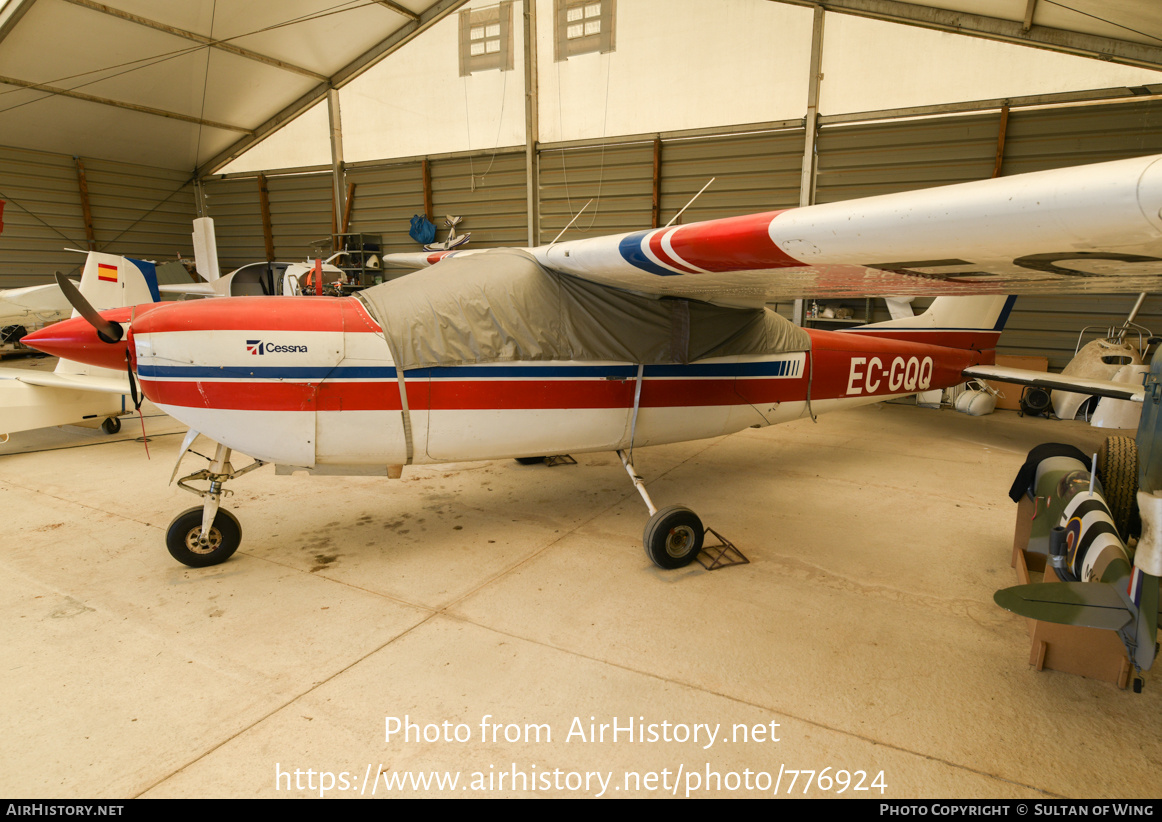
(469, 395)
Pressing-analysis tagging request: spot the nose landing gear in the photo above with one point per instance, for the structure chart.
(207, 535)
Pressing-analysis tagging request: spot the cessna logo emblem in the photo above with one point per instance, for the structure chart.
(259, 347)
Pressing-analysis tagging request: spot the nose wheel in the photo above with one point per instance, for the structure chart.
(207, 534)
(186, 544)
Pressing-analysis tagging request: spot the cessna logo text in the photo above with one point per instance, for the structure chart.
(259, 347)
(897, 374)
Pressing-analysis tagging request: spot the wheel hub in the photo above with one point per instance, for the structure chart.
(194, 541)
(679, 540)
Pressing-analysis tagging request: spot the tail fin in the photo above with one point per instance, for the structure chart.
(109, 281)
(206, 249)
(973, 323)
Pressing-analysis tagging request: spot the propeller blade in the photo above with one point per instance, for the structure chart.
(107, 330)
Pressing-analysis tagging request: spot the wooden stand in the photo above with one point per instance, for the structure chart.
(1067, 648)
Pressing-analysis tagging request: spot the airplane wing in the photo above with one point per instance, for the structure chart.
(1089, 229)
(1041, 379)
(37, 303)
(72, 382)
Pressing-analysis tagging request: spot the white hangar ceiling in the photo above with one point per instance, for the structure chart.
(175, 85)
(190, 85)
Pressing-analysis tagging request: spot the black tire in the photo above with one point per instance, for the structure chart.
(111, 425)
(1117, 468)
(182, 538)
(530, 460)
(673, 537)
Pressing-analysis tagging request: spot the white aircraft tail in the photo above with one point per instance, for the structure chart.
(109, 281)
(206, 249)
(954, 322)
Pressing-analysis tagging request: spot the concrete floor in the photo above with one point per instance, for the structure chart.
(498, 594)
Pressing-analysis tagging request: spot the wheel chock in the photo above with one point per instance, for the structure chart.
(723, 555)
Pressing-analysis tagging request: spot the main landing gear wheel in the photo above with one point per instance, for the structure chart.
(184, 544)
(111, 425)
(673, 537)
(1117, 468)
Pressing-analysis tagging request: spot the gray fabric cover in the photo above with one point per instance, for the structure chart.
(502, 305)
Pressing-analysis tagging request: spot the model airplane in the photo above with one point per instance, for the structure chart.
(1101, 583)
(614, 343)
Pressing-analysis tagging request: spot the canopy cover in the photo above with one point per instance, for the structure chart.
(503, 306)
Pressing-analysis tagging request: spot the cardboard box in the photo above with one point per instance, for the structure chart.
(1010, 398)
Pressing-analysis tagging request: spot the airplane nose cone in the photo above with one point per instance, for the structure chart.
(76, 340)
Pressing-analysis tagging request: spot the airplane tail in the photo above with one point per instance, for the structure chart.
(973, 323)
(1130, 610)
(206, 249)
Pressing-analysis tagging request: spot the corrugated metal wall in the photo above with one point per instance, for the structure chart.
(617, 178)
(300, 214)
(234, 205)
(140, 211)
(386, 198)
(489, 192)
(751, 172)
(880, 158)
(135, 210)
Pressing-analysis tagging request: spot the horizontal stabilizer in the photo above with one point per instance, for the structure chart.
(1081, 385)
(1085, 604)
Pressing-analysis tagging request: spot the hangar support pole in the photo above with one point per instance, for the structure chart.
(86, 210)
(264, 207)
(532, 131)
(338, 181)
(811, 127)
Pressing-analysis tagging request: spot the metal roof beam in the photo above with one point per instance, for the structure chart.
(106, 101)
(995, 28)
(222, 45)
(398, 9)
(397, 40)
(11, 15)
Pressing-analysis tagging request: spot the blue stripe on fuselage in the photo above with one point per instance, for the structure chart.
(767, 368)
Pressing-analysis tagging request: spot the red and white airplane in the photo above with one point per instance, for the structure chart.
(617, 342)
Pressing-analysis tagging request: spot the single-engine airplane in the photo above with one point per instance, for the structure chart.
(618, 342)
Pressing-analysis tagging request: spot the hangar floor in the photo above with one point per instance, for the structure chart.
(487, 599)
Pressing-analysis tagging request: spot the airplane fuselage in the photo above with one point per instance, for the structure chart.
(305, 381)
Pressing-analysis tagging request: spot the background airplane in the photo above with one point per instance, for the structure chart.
(612, 343)
(76, 393)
